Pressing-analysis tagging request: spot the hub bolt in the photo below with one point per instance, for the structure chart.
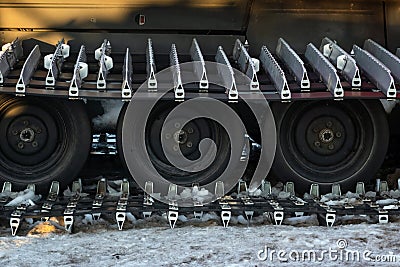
(190, 130)
(317, 144)
(331, 147)
(21, 145)
(38, 130)
(14, 132)
(34, 144)
(329, 124)
(168, 136)
(25, 122)
(189, 144)
(338, 134)
(177, 125)
(315, 130)
(175, 148)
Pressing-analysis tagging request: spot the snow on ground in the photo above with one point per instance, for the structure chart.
(152, 243)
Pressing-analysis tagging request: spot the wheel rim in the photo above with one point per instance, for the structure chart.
(187, 140)
(36, 138)
(326, 141)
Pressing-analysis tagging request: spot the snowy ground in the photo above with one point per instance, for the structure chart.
(153, 243)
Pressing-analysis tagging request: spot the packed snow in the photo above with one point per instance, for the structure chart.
(153, 243)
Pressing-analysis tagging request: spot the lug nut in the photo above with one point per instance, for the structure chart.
(177, 125)
(315, 130)
(39, 131)
(21, 145)
(34, 144)
(14, 132)
(168, 136)
(189, 144)
(175, 148)
(331, 147)
(329, 124)
(190, 130)
(338, 134)
(25, 122)
(317, 144)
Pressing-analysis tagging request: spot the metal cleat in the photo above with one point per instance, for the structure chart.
(330, 217)
(360, 188)
(225, 214)
(9, 55)
(199, 66)
(242, 187)
(68, 220)
(176, 74)
(275, 72)
(126, 90)
(278, 215)
(266, 187)
(247, 203)
(289, 188)
(148, 200)
(120, 215)
(173, 214)
(172, 191)
(71, 206)
(246, 148)
(150, 67)
(98, 200)
(15, 219)
(294, 63)
(378, 73)
(105, 63)
(226, 72)
(336, 190)
(81, 70)
(5, 191)
(387, 58)
(51, 198)
(14, 224)
(30, 65)
(77, 187)
(197, 214)
(384, 187)
(219, 189)
(383, 216)
(314, 191)
(6, 187)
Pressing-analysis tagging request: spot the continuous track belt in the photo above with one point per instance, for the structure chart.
(119, 206)
(119, 75)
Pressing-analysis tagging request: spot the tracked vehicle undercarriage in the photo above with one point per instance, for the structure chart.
(197, 96)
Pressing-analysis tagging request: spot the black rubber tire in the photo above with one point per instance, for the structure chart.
(164, 168)
(62, 153)
(356, 158)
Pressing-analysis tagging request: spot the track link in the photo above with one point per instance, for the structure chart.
(267, 201)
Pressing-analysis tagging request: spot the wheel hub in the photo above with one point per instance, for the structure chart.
(27, 135)
(325, 135)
